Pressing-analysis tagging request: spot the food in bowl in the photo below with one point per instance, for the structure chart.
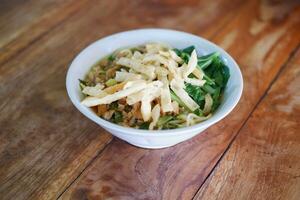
(155, 86)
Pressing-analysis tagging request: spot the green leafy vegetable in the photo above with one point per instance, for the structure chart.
(82, 84)
(113, 105)
(128, 108)
(174, 97)
(216, 99)
(144, 125)
(185, 54)
(219, 73)
(196, 93)
(216, 74)
(117, 117)
(185, 57)
(174, 123)
(199, 112)
(209, 81)
(111, 57)
(189, 49)
(181, 116)
(208, 89)
(177, 51)
(205, 61)
(164, 119)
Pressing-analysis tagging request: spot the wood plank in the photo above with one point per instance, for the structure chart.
(23, 23)
(261, 40)
(264, 161)
(17, 16)
(141, 15)
(44, 142)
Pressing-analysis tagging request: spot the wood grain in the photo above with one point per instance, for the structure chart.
(44, 142)
(261, 40)
(136, 15)
(17, 16)
(23, 24)
(264, 161)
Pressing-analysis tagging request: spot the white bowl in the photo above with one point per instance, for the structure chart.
(156, 138)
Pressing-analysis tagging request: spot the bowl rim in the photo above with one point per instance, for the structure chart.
(134, 131)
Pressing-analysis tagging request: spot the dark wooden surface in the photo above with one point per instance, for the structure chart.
(48, 150)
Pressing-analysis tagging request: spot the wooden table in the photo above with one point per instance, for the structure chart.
(49, 150)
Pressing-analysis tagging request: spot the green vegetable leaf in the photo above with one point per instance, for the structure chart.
(196, 93)
(111, 57)
(174, 97)
(174, 123)
(164, 119)
(117, 117)
(205, 61)
(185, 57)
(209, 89)
(209, 81)
(199, 112)
(82, 84)
(189, 49)
(113, 105)
(145, 125)
(177, 51)
(216, 74)
(128, 108)
(185, 53)
(219, 72)
(226, 74)
(216, 99)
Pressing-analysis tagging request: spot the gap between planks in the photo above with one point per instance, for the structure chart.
(250, 114)
(87, 166)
